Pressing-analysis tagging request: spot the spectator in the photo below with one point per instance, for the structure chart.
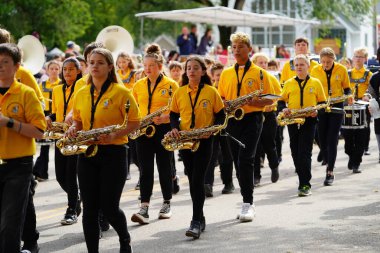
(70, 47)
(194, 36)
(185, 42)
(206, 42)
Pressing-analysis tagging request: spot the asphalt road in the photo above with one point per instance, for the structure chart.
(342, 218)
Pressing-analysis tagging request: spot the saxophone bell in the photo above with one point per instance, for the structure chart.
(150, 131)
(237, 114)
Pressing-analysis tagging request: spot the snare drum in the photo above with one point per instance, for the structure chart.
(354, 117)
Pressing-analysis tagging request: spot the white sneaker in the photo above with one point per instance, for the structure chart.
(165, 212)
(247, 212)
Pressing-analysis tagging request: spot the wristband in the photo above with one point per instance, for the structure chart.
(10, 123)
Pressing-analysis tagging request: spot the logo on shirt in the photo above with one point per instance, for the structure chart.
(163, 92)
(205, 105)
(250, 82)
(337, 77)
(311, 90)
(14, 110)
(106, 103)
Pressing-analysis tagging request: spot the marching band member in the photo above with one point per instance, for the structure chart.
(267, 141)
(301, 46)
(102, 177)
(176, 71)
(30, 234)
(335, 82)
(357, 140)
(199, 105)
(66, 166)
(301, 92)
(41, 166)
(126, 69)
(83, 64)
(238, 80)
(21, 120)
(152, 93)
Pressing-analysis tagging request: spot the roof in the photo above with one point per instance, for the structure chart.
(223, 16)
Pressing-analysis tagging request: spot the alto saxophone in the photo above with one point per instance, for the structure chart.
(340, 99)
(190, 139)
(146, 127)
(233, 106)
(84, 141)
(298, 116)
(56, 132)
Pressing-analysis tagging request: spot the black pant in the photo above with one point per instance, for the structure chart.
(196, 165)
(15, 176)
(132, 154)
(209, 177)
(226, 162)
(66, 174)
(328, 129)
(267, 144)
(354, 144)
(101, 180)
(279, 140)
(147, 149)
(30, 234)
(40, 168)
(301, 145)
(248, 131)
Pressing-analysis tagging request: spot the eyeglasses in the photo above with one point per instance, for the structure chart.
(359, 57)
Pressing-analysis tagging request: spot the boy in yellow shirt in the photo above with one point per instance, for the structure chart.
(21, 120)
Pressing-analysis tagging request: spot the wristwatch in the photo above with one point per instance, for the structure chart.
(10, 123)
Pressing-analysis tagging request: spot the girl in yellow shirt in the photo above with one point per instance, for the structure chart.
(126, 69)
(102, 177)
(66, 166)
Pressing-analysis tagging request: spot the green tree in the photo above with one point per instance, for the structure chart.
(326, 9)
(56, 21)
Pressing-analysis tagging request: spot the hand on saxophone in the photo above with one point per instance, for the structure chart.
(174, 133)
(48, 122)
(286, 111)
(260, 102)
(69, 118)
(71, 132)
(161, 119)
(106, 138)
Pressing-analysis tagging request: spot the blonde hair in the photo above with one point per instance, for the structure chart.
(362, 50)
(242, 37)
(257, 55)
(328, 52)
(302, 57)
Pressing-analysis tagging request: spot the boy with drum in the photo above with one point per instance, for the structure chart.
(356, 128)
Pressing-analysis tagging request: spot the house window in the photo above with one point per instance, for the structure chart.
(280, 35)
